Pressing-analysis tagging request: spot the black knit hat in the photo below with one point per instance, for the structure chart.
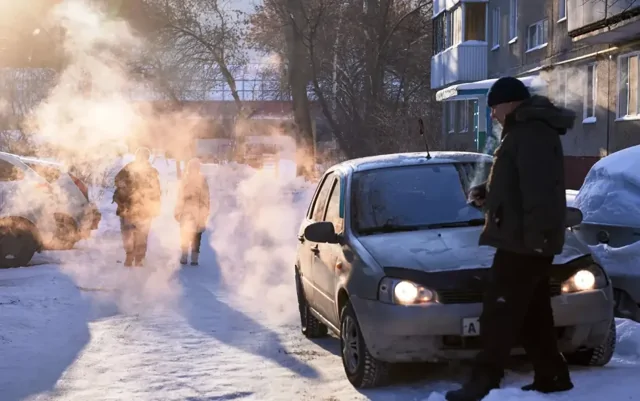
(505, 90)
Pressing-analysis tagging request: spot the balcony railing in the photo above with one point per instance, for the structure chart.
(466, 61)
(603, 21)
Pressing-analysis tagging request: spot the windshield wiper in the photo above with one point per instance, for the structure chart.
(468, 223)
(389, 228)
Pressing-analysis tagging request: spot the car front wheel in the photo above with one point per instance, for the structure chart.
(599, 356)
(362, 369)
(310, 325)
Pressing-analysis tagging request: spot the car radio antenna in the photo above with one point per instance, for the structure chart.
(426, 145)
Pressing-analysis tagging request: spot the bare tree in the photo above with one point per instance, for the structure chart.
(364, 63)
(21, 90)
(203, 37)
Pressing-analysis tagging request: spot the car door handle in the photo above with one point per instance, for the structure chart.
(315, 250)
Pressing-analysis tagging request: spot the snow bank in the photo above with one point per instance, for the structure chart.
(611, 191)
(621, 260)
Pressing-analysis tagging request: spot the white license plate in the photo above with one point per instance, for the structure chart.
(470, 327)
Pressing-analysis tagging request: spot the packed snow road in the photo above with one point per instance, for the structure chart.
(78, 325)
(62, 343)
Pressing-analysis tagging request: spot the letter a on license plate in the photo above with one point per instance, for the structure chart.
(470, 327)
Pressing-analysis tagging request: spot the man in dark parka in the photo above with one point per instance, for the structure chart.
(525, 206)
(138, 197)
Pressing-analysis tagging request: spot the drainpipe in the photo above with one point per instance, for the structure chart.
(609, 101)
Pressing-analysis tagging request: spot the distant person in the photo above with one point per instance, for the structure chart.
(138, 196)
(192, 211)
(525, 208)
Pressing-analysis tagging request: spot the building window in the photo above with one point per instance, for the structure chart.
(463, 109)
(475, 16)
(562, 10)
(454, 25)
(537, 35)
(495, 28)
(590, 92)
(451, 117)
(439, 33)
(513, 19)
(628, 101)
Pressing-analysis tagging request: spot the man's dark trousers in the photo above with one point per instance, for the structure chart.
(517, 311)
(135, 234)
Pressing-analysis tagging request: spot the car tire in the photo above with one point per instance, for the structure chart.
(17, 247)
(361, 368)
(599, 356)
(311, 327)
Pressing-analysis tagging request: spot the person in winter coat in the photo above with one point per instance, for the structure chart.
(525, 207)
(192, 211)
(138, 196)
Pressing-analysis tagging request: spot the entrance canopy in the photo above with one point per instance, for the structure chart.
(472, 90)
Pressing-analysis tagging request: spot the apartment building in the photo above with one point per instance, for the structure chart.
(583, 54)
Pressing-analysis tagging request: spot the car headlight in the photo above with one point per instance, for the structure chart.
(590, 278)
(404, 292)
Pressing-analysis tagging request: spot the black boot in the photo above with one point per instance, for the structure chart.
(475, 389)
(554, 384)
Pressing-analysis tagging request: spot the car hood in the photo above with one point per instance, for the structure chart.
(446, 249)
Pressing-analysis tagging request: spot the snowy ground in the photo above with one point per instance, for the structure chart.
(226, 330)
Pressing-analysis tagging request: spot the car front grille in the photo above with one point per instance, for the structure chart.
(470, 296)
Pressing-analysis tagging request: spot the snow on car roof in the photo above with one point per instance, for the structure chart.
(411, 159)
(611, 191)
(40, 161)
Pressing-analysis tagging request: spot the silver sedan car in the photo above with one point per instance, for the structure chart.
(389, 260)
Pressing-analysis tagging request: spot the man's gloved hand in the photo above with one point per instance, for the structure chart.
(478, 195)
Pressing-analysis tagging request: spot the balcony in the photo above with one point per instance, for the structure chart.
(442, 5)
(603, 21)
(466, 61)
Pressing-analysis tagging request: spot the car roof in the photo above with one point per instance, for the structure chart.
(410, 159)
(41, 161)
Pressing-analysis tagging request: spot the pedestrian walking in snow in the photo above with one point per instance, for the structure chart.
(525, 207)
(192, 211)
(138, 196)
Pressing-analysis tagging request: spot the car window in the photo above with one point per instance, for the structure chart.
(333, 209)
(9, 172)
(51, 174)
(314, 199)
(321, 199)
(411, 196)
(473, 173)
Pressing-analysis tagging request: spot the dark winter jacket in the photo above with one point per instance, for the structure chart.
(525, 202)
(193, 204)
(137, 192)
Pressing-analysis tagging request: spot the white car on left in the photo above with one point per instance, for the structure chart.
(27, 224)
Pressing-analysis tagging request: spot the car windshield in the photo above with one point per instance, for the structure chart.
(413, 198)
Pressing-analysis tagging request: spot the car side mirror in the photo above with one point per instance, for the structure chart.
(573, 217)
(322, 232)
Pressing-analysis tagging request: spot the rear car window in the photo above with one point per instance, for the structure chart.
(51, 174)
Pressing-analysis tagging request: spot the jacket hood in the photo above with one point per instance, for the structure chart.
(540, 108)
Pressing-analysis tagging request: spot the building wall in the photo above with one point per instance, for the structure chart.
(564, 66)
